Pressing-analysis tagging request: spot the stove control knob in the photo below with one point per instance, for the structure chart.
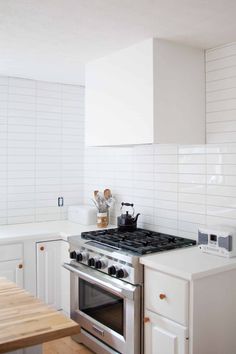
(73, 254)
(82, 256)
(112, 270)
(79, 257)
(121, 273)
(91, 262)
(100, 263)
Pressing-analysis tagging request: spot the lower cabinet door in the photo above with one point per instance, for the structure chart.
(13, 271)
(162, 336)
(49, 272)
(65, 279)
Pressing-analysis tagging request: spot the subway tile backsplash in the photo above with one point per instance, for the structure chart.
(41, 149)
(175, 188)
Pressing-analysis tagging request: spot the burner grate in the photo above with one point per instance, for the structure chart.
(140, 241)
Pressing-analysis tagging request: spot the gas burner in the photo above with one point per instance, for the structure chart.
(140, 241)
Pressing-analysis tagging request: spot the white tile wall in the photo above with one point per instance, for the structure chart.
(175, 188)
(41, 149)
(178, 188)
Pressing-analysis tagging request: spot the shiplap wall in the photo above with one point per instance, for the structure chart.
(41, 149)
(221, 94)
(179, 188)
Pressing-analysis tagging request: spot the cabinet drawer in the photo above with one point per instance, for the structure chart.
(166, 295)
(10, 252)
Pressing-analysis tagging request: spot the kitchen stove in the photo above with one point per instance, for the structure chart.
(117, 253)
(107, 285)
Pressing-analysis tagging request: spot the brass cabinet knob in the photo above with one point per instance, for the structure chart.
(20, 266)
(41, 248)
(146, 319)
(162, 296)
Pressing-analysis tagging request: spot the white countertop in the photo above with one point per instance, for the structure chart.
(50, 229)
(188, 263)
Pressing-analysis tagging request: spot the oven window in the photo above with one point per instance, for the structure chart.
(101, 305)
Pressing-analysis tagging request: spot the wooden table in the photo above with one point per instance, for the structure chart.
(25, 321)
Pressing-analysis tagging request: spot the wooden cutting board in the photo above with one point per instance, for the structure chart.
(25, 321)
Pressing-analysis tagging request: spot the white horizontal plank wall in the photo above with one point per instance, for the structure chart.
(41, 149)
(221, 94)
(178, 188)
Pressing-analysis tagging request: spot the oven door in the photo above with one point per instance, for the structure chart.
(106, 307)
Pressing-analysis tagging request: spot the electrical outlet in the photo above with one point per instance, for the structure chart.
(60, 201)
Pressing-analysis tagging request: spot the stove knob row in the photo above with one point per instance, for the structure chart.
(118, 272)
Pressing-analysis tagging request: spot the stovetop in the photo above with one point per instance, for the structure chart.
(140, 241)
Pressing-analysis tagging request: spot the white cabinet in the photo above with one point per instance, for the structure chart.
(166, 313)
(49, 272)
(195, 316)
(167, 295)
(151, 92)
(11, 263)
(65, 279)
(13, 271)
(163, 336)
(53, 281)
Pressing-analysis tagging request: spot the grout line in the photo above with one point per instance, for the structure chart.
(221, 111)
(222, 122)
(220, 90)
(221, 79)
(221, 100)
(220, 58)
(219, 69)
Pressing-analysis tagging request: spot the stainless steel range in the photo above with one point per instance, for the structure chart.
(107, 285)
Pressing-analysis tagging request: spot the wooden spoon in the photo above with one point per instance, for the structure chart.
(107, 193)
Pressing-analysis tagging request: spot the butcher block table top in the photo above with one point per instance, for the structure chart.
(25, 321)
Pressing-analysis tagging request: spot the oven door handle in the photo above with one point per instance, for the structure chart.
(104, 280)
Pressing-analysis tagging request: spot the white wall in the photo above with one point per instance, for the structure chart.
(41, 149)
(177, 188)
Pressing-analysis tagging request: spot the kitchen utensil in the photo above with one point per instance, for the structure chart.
(103, 201)
(126, 221)
(107, 193)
